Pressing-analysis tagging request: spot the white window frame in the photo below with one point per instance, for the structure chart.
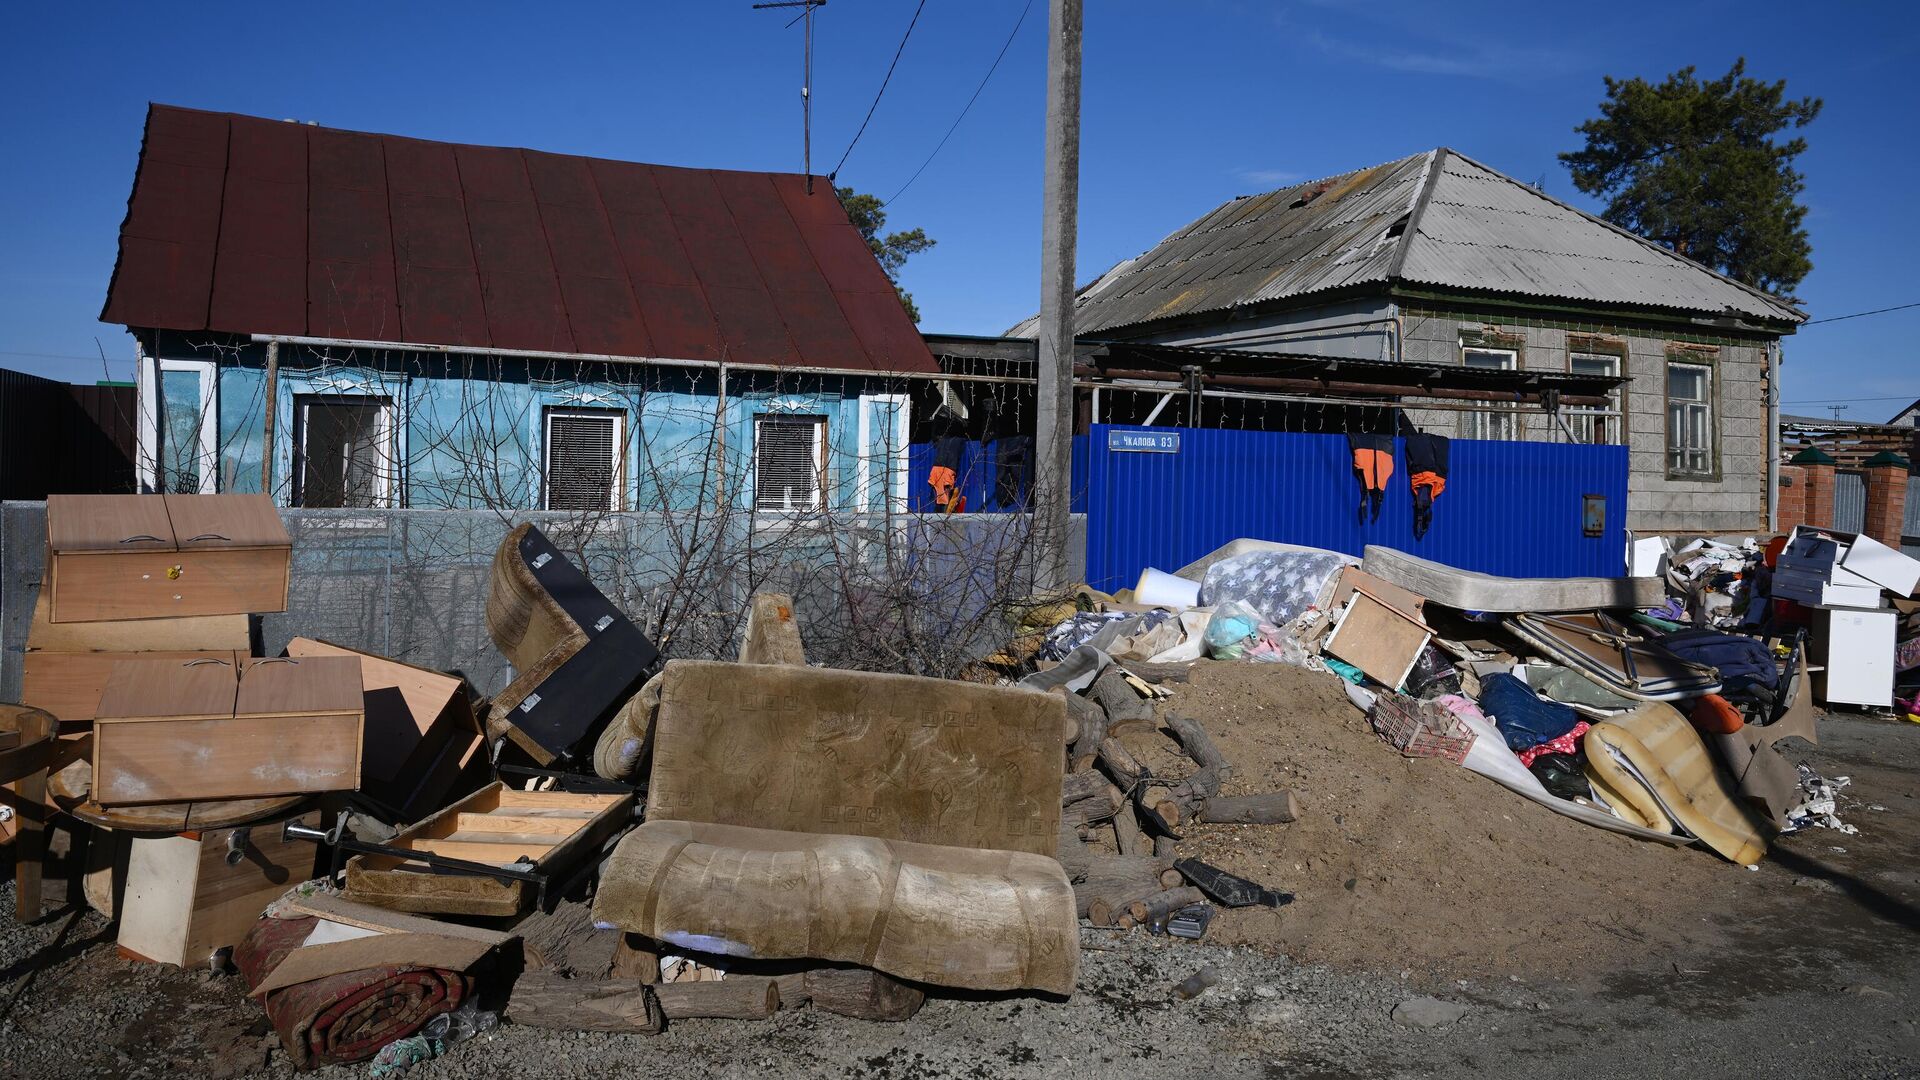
(894, 464)
(617, 489)
(150, 372)
(1702, 408)
(1482, 424)
(382, 477)
(819, 421)
(1582, 418)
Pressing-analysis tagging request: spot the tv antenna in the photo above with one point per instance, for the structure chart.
(806, 81)
(1837, 410)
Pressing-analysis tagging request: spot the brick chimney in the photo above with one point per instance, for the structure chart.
(1886, 497)
(1816, 469)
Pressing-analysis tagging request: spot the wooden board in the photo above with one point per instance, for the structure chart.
(226, 521)
(413, 718)
(108, 523)
(183, 902)
(165, 819)
(1379, 640)
(483, 827)
(205, 633)
(69, 685)
(94, 586)
(163, 735)
(818, 750)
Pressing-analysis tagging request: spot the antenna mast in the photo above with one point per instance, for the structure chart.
(806, 84)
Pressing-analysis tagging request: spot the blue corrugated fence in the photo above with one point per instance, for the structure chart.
(1510, 508)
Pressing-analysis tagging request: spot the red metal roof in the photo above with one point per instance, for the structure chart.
(254, 226)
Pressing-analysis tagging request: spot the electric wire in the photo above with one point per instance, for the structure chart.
(1017, 24)
(883, 90)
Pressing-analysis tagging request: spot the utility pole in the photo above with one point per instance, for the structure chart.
(1060, 200)
(806, 80)
(1836, 410)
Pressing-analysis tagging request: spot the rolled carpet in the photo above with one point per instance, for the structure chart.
(345, 1017)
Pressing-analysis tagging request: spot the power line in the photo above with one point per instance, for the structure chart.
(883, 89)
(1862, 314)
(1840, 400)
(1017, 23)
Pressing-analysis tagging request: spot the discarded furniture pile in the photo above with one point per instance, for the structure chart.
(611, 843)
(1650, 705)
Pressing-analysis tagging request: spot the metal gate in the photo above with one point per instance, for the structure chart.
(1163, 497)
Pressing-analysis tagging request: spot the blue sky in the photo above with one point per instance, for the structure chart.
(1186, 104)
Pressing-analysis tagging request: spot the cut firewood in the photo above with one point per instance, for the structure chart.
(1079, 785)
(544, 999)
(1073, 856)
(736, 997)
(1088, 723)
(1161, 803)
(1128, 837)
(863, 994)
(636, 957)
(1159, 673)
(1099, 806)
(1152, 909)
(1119, 763)
(1163, 847)
(1275, 808)
(1112, 882)
(1205, 783)
(1124, 707)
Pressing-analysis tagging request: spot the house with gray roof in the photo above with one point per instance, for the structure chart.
(1438, 261)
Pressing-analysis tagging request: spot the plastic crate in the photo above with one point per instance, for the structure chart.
(1420, 728)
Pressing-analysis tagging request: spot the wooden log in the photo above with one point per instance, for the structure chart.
(1159, 673)
(544, 999)
(1123, 705)
(637, 957)
(1079, 785)
(1098, 805)
(1162, 802)
(1119, 764)
(1199, 746)
(1073, 856)
(1274, 808)
(1128, 837)
(1113, 882)
(1152, 909)
(793, 989)
(736, 997)
(863, 993)
(1163, 847)
(1089, 725)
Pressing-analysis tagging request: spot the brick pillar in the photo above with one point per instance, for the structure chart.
(1792, 496)
(1886, 498)
(1817, 470)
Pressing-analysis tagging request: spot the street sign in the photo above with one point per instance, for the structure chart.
(1144, 442)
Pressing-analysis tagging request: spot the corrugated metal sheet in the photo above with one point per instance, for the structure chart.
(246, 226)
(1511, 508)
(1478, 230)
(1849, 501)
(974, 480)
(57, 438)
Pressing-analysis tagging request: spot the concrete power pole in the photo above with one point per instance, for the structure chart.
(1060, 200)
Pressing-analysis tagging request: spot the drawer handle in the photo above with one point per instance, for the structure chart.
(207, 660)
(275, 660)
(209, 536)
(142, 536)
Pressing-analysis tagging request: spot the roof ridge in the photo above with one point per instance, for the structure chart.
(1760, 294)
(1416, 208)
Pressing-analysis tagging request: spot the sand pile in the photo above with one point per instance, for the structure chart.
(1418, 863)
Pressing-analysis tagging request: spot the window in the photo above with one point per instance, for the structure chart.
(1689, 419)
(583, 459)
(344, 450)
(1502, 424)
(1598, 425)
(789, 462)
(177, 426)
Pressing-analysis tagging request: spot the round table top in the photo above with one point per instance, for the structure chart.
(165, 819)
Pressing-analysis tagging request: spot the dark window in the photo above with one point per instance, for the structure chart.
(345, 459)
(789, 458)
(583, 459)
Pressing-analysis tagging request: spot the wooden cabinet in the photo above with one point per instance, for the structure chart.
(69, 685)
(169, 731)
(164, 556)
(184, 901)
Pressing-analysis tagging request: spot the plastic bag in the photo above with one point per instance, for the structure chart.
(1562, 774)
(1433, 674)
(1229, 633)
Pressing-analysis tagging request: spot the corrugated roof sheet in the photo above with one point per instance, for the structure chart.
(1477, 230)
(252, 226)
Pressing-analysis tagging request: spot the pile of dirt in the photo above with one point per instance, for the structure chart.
(1419, 864)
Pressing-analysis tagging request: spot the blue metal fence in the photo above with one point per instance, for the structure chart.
(979, 466)
(1511, 508)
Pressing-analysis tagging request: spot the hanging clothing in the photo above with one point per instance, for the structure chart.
(1372, 466)
(944, 477)
(1427, 475)
(1013, 470)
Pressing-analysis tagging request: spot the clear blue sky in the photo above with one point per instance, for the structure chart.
(1186, 104)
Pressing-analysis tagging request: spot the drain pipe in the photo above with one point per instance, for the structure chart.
(1773, 436)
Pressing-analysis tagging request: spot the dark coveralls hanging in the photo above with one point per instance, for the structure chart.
(1372, 466)
(948, 451)
(1427, 475)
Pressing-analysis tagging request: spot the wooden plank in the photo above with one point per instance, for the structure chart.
(69, 685)
(187, 760)
(368, 917)
(480, 849)
(108, 523)
(554, 800)
(411, 714)
(94, 586)
(169, 688)
(274, 686)
(226, 521)
(1377, 639)
(524, 824)
(204, 633)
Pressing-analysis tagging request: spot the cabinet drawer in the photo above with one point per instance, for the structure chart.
(97, 586)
